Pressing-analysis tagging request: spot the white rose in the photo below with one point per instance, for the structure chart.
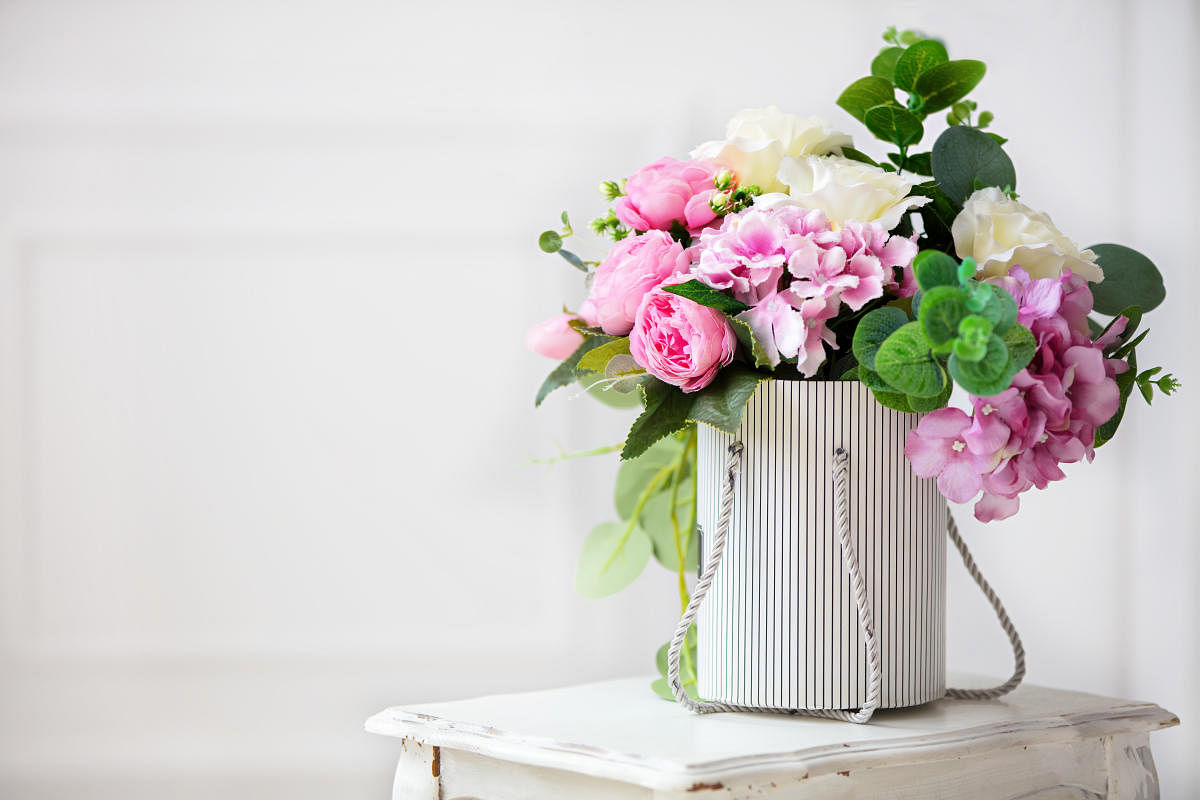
(757, 139)
(999, 232)
(847, 190)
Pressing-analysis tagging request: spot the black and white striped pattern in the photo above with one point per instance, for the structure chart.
(779, 628)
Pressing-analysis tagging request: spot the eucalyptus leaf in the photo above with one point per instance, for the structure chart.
(866, 93)
(906, 361)
(964, 157)
(921, 405)
(935, 268)
(550, 242)
(986, 376)
(943, 308)
(1000, 310)
(916, 61)
(884, 64)
(945, 84)
(1129, 279)
(894, 124)
(870, 378)
(613, 556)
(872, 330)
(897, 401)
(655, 519)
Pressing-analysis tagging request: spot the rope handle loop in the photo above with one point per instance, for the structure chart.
(862, 601)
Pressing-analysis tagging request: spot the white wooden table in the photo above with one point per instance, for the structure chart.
(615, 740)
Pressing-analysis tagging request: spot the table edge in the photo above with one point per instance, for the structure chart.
(662, 774)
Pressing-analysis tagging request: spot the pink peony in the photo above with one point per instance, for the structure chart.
(554, 338)
(634, 266)
(1050, 414)
(680, 342)
(669, 192)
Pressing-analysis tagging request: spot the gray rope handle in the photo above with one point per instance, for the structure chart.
(1014, 638)
(849, 557)
(866, 623)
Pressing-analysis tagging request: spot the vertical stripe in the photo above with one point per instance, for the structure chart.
(780, 627)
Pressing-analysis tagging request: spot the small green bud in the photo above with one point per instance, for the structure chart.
(723, 180)
(966, 270)
(611, 190)
(720, 202)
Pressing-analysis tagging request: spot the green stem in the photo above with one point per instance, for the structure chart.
(637, 512)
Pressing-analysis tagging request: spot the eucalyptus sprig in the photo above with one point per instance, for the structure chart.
(552, 242)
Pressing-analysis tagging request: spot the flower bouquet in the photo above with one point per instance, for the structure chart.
(783, 256)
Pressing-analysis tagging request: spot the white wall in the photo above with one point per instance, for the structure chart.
(265, 414)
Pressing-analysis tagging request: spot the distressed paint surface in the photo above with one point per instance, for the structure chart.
(615, 740)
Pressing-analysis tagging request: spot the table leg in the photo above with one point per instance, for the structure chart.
(418, 773)
(1131, 772)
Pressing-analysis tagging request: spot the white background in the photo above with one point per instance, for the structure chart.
(265, 413)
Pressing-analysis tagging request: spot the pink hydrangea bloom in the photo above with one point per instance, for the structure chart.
(680, 342)
(634, 266)
(796, 270)
(668, 192)
(554, 338)
(1050, 414)
(789, 326)
(938, 448)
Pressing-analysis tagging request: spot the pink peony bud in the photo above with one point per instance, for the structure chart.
(554, 338)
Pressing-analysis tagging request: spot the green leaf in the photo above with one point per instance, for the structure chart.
(1129, 279)
(924, 404)
(945, 84)
(550, 242)
(974, 333)
(565, 372)
(894, 400)
(1125, 382)
(985, 119)
(667, 410)
(943, 308)
(1021, 349)
(935, 268)
(655, 519)
(916, 61)
(596, 386)
(884, 64)
(917, 163)
(745, 335)
(866, 93)
(596, 359)
(705, 295)
(574, 260)
(613, 556)
(635, 475)
(872, 330)
(858, 155)
(963, 157)
(906, 362)
(987, 376)
(722, 403)
(870, 378)
(894, 124)
(1000, 310)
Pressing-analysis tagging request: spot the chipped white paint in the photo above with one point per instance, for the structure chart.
(617, 740)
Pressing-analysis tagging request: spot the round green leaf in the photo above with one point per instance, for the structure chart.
(935, 268)
(1129, 279)
(1000, 310)
(872, 330)
(636, 474)
(866, 93)
(945, 84)
(609, 562)
(897, 401)
(924, 404)
(916, 61)
(894, 124)
(1021, 348)
(884, 64)
(550, 242)
(942, 311)
(962, 156)
(987, 376)
(906, 362)
(655, 519)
